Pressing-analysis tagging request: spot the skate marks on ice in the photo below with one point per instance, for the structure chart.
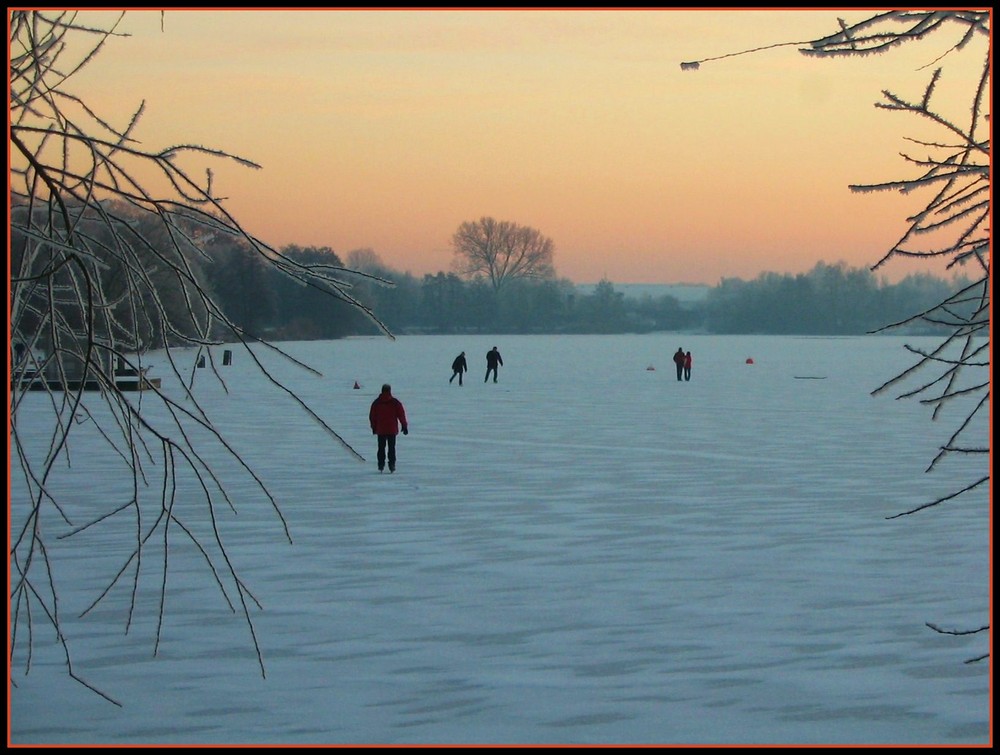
(592, 556)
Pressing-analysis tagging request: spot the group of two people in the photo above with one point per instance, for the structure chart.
(387, 415)
(683, 363)
(460, 366)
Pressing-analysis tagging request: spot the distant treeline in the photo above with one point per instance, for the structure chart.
(161, 295)
(828, 300)
(258, 297)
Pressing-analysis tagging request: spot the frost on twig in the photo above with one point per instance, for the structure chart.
(108, 242)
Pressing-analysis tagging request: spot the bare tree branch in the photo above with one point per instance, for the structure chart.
(955, 224)
(105, 268)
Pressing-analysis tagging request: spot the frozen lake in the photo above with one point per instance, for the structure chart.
(586, 552)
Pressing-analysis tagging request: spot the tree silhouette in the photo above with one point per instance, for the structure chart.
(107, 241)
(502, 251)
(954, 225)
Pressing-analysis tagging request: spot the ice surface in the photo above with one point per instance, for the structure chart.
(586, 552)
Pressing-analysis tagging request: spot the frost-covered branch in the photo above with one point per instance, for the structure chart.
(108, 244)
(953, 225)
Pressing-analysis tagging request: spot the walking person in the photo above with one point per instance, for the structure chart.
(679, 358)
(493, 360)
(687, 366)
(458, 367)
(386, 416)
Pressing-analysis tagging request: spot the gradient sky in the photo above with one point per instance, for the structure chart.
(388, 129)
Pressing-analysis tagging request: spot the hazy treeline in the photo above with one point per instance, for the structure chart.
(828, 300)
(264, 302)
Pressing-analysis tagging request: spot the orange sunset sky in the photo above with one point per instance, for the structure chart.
(387, 129)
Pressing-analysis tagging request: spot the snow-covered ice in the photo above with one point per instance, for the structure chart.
(588, 551)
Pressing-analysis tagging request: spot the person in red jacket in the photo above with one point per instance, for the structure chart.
(687, 366)
(386, 416)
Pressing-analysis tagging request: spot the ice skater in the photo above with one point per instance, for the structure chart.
(458, 367)
(493, 360)
(386, 416)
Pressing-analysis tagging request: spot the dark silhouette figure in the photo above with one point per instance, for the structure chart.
(493, 360)
(679, 358)
(458, 367)
(386, 416)
(687, 366)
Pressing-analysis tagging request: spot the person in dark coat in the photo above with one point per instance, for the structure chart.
(679, 358)
(493, 359)
(458, 367)
(687, 366)
(386, 416)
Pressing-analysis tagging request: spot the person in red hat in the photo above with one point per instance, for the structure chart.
(386, 416)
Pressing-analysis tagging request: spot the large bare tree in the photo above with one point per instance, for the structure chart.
(954, 225)
(104, 268)
(502, 251)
